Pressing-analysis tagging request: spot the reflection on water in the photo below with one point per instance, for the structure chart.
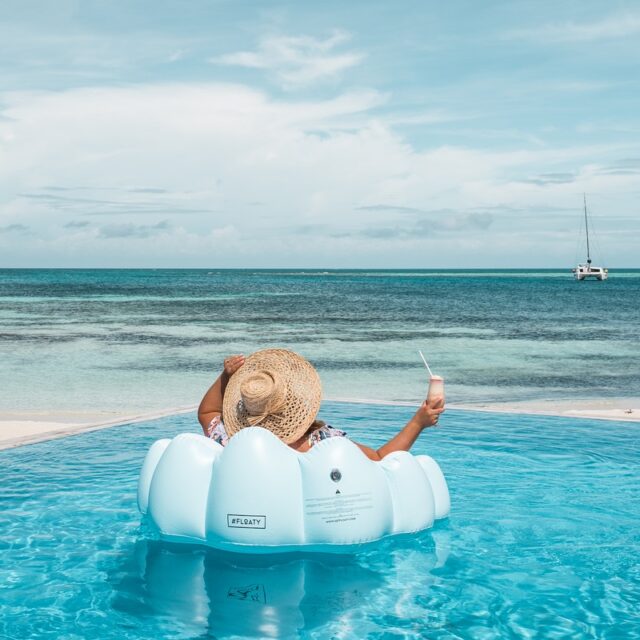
(203, 592)
(542, 541)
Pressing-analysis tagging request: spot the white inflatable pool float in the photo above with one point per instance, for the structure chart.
(258, 495)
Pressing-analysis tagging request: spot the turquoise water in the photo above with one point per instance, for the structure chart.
(129, 340)
(543, 541)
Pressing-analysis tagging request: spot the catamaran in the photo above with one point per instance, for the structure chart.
(584, 271)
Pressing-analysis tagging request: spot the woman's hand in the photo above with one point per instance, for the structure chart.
(232, 364)
(427, 415)
(211, 405)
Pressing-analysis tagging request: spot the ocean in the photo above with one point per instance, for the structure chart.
(143, 340)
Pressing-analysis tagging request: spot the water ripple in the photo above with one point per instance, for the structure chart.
(543, 538)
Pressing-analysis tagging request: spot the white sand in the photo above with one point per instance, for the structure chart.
(19, 428)
(627, 409)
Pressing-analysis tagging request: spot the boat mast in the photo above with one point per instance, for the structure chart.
(586, 226)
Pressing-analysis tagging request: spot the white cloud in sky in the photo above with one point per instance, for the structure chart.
(170, 173)
(296, 61)
(614, 26)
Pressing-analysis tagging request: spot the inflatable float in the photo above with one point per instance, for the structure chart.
(258, 495)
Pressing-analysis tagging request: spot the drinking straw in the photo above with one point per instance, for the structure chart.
(425, 363)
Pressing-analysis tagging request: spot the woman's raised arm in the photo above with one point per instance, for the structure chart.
(211, 404)
(426, 416)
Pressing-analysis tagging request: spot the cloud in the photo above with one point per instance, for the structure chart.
(15, 228)
(428, 225)
(153, 152)
(76, 224)
(629, 162)
(63, 49)
(147, 190)
(296, 61)
(433, 225)
(124, 205)
(390, 208)
(177, 55)
(623, 167)
(130, 230)
(425, 118)
(544, 179)
(610, 27)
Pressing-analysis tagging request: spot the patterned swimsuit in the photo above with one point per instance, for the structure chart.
(217, 432)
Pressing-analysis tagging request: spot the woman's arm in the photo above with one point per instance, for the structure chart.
(211, 403)
(425, 416)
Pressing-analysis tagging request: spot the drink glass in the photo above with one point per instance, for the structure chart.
(435, 394)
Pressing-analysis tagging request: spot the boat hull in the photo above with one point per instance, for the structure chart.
(594, 277)
(586, 270)
(582, 275)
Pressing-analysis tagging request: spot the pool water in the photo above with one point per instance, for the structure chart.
(543, 541)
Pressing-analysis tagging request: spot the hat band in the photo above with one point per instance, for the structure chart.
(254, 421)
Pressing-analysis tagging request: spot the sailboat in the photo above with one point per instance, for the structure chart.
(584, 271)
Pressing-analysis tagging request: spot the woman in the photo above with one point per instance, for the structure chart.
(280, 391)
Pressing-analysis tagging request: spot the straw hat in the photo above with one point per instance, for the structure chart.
(275, 389)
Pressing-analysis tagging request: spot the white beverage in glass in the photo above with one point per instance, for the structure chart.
(436, 390)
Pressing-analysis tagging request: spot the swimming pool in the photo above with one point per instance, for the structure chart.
(543, 539)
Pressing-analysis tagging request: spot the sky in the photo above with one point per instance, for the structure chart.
(318, 134)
